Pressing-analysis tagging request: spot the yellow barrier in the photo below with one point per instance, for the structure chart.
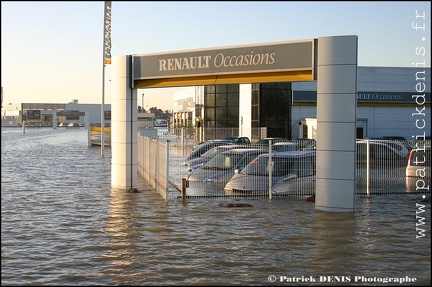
(98, 129)
(95, 136)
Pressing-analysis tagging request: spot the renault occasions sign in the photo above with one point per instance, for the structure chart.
(275, 57)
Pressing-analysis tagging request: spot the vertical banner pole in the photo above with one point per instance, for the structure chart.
(106, 60)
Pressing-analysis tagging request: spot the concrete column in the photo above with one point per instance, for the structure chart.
(124, 138)
(87, 120)
(336, 123)
(54, 119)
(245, 112)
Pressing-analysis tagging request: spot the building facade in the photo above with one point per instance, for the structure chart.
(391, 101)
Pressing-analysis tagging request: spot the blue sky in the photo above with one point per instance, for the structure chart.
(53, 51)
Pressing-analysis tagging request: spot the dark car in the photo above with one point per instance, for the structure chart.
(305, 143)
(198, 150)
(225, 141)
(239, 140)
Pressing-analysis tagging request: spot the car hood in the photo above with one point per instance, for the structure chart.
(195, 161)
(243, 182)
(209, 175)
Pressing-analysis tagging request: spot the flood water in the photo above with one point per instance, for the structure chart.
(63, 224)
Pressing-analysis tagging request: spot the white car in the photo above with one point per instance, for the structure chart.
(418, 170)
(221, 168)
(195, 163)
(292, 173)
(382, 153)
(285, 146)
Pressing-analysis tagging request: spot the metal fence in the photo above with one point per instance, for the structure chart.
(244, 172)
(153, 161)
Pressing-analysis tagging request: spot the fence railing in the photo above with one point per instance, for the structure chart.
(380, 168)
(153, 161)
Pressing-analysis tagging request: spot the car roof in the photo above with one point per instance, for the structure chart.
(378, 141)
(291, 154)
(274, 138)
(285, 143)
(234, 146)
(233, 138)
(215, 142)
(243, 150)
(421, 149)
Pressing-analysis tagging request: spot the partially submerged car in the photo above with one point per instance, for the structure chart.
(291, 173)
(418, 170)
(194, 163)
(265, 142)
(200, 149)
(382, 153)
(285, 146)
(221, 168)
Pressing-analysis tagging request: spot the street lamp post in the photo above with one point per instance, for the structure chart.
(142, 102)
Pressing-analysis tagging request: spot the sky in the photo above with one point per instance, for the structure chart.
(52, 52)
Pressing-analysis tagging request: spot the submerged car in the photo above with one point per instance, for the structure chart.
(239, 140)
(382, 153)
(194, 163)
(200, 149)
(265, 142)
(418, 170)
(285, 146)
(291, 173)
(221, 168)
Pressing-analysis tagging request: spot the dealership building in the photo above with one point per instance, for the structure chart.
(391, 101)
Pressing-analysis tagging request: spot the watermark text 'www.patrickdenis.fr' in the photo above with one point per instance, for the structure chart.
(420, 220)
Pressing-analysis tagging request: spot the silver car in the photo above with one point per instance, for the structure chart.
(382, 154)
(221, 167)
(292, 173)
(285, 146)
(418, 170)
(195, 163)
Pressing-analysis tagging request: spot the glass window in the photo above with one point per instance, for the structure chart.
(211, 89)
(233, 100)
(233, 89)
(210, 114)
(258, 166)
(221, 100)
(221, 89)
(209, 124)
(210, 100)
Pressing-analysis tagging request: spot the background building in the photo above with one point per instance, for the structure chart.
(388, 101)
(42, 114)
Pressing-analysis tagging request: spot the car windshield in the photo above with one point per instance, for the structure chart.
(285, 147)
(222, 162)
(281, 166)
(214, 151)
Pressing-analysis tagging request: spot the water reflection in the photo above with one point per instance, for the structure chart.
(335, 243)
